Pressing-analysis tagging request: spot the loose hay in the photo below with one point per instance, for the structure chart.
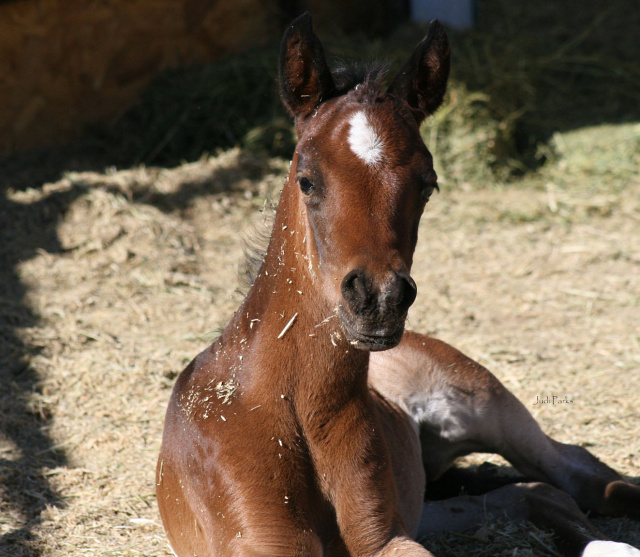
(546, 298)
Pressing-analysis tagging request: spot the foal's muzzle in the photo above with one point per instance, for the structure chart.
(373, 315)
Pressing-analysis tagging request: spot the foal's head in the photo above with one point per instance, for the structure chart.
(364, 176)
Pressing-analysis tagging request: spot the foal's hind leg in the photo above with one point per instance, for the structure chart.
(461, 408)
(546, 506)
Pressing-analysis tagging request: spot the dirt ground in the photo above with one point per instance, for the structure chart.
(113, 281)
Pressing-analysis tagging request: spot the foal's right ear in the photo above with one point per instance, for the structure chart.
(305, 78)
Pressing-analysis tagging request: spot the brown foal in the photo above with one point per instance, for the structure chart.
(298, 431)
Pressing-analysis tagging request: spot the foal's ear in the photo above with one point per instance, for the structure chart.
(305, 78)
(422, 81)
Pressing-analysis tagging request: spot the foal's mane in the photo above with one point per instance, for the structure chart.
(255, 243)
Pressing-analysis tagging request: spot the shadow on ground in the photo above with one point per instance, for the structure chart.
(27, 451)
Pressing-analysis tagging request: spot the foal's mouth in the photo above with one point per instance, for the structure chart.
(375, 336)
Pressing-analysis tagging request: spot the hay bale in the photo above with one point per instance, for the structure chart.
(64, 65)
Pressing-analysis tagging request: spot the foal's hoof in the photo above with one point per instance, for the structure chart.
(609, 549)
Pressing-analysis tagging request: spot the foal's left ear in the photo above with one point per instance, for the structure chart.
(305, 78)
(422, 81)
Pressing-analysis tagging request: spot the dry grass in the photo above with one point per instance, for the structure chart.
(537, 280)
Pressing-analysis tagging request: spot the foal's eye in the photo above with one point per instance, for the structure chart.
(306, 186)
(427, 191)
(429, 185)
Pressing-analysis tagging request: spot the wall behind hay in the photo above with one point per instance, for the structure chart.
(66, 63)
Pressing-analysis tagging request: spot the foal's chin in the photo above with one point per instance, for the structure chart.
(376, 335)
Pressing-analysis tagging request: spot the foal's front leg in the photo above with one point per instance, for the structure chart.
(355, 472)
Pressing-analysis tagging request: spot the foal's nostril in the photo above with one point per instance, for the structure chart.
(356, 290)
(405, 291)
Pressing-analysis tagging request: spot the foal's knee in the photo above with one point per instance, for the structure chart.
(621, 498)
